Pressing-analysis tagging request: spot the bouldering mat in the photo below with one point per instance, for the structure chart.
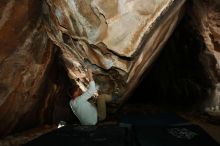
(183, 135)
(154, 120)
(86, 136)
(166, 130)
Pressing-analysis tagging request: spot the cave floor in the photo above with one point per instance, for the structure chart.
(210, 124)
(213, 129)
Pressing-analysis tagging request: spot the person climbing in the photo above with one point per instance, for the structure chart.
(85, 111)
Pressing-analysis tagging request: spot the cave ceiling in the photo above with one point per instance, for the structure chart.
(120, 38)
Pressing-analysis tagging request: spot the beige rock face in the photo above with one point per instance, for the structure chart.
(120, 38)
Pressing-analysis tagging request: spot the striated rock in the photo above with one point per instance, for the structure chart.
(25, 54)
(120, 38)
(206, 16)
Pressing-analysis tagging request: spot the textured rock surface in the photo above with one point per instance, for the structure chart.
(25, 53)
(207, 20)
(186, 74)
(120, 38)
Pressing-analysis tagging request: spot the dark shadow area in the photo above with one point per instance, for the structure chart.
(61, 110)
(177, 79)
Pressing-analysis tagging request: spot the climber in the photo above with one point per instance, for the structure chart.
(85, 111)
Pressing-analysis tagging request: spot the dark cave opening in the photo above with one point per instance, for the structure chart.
(177, 79)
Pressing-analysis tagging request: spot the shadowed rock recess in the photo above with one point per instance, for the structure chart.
(186, 73)
(45, 46)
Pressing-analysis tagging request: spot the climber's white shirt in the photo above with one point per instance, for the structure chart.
(85, 111)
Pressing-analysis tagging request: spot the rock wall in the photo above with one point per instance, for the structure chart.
(25, 55)
(206, 16)
(186, 76)
(120, 39)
